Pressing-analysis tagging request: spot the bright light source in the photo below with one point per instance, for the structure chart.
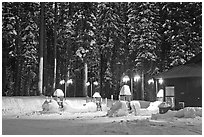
(161, 81)
(87, 83)
(62, 82)
(126, 79)
(136, 78)
(151, 81)
(95, 83)
(69, 81)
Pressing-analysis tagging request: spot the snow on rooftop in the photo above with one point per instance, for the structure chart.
(96, 95)
(125, 90)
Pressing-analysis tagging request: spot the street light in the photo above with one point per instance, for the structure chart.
(70, 81)
(150, 81)
(91, 84)
(161, 81)
(126, 79)
(136, 78)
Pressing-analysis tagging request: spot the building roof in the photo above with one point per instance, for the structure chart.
(182, 71)
(192, 68)
(196, 59)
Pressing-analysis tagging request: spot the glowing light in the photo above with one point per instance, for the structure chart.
(70, 81)
(87, 83)
(161, 81)
(137, 78)
(150, 81)
(126, 79)
(62, 82)
(95, 83)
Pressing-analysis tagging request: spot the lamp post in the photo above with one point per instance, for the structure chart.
(91, 84)
(135, 78)
(69, 81)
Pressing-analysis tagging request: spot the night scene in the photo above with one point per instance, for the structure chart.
(101, 68)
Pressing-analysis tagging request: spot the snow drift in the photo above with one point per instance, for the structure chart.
(188, 112)
(143, 108)
(118, 109)
(73, 108)
(21, 105)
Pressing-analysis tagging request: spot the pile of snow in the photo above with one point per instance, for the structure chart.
(72, 108)
(21, 105)
(151, 109)
(188, 112)
(50, 106)
(118, 109)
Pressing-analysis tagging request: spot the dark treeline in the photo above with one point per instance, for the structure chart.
(146, 38)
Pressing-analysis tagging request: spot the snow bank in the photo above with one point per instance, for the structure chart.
(118, 109)
(188, 112)
(21, 105)
(73, 108)
(141, 108)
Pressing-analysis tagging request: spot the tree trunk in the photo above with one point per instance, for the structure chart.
(40, 83)
(18, 62)
(4, 66)
(85, 78)
(45, 70)
(142, 88)
(55, 48)
(101, 74)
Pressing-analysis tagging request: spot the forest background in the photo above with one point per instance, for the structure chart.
(40, 43)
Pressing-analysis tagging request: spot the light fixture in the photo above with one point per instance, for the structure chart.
(136, 78)
(69, 81)
(87, 83)
(95, 83)
(126, 79)
(161, 81)
(151, 81)
(62, 82)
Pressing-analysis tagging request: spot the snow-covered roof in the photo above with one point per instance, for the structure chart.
(96, 95)
(188, 70)
(58, 93)
(125, 90)
(160, 93)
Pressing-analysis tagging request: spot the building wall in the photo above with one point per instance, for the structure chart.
(187, 90)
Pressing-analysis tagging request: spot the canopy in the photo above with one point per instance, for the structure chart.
(58, 93)
(160, 93)
(96, 95)
(125, 90)
(182, 71)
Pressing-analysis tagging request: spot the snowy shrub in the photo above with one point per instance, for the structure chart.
(189, 112)
(118, 109)
(198, 111)
(51, 106)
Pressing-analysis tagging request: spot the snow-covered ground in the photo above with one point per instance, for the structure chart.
(97, 123)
